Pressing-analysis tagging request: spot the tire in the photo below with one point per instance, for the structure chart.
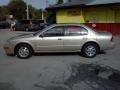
(90, 50)
(23, 51)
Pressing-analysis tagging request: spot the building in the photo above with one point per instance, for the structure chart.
(98, 14)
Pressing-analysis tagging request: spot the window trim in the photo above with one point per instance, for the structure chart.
(63, 30)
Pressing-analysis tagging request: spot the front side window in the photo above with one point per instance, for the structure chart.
(25, 22)
(75, 31)
(54, 32)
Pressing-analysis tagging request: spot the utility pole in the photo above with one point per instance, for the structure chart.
(27, 9)
(43, 14)
(43, 18)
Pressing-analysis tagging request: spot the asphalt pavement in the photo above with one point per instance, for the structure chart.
(61, 71)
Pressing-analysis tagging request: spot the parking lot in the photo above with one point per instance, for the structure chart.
(61, 71)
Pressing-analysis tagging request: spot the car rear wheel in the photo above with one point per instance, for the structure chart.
(90, 50)
(23, 51)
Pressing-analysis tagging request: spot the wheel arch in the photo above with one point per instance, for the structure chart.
(91, 42)
(23, 43)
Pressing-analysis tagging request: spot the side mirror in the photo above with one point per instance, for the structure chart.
(41, 35)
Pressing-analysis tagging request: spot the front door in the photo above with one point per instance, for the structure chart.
(51, 40)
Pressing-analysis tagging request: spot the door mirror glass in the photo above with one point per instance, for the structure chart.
(41, 35)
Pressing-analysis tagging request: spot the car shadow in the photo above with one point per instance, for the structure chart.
(55, 54)
(102, 52)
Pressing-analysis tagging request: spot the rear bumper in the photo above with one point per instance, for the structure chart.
(112, 45)
(108, 46)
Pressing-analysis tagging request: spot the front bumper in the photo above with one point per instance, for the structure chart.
(9, 50)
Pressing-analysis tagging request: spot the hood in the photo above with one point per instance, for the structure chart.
(21, 36)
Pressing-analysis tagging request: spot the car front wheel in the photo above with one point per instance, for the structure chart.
(23, 51)
(90, 50)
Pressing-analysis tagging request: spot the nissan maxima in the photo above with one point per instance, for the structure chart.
(60, 38)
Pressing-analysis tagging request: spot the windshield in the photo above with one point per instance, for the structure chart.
(41, 30)
(34, 34)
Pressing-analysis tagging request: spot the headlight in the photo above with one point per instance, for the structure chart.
(8, 41)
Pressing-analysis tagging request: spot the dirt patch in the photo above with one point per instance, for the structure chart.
(87, 77)
(95, 77)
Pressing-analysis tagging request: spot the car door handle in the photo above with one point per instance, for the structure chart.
(84, 38)
(59, 39)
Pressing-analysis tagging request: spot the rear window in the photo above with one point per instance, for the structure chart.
(33, 21)
(41, 21)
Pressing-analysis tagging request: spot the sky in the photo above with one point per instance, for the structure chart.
(36, 3)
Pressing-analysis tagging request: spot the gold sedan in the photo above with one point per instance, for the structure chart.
(60, 38)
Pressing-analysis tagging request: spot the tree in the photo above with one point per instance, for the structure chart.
(35, 13)
(17, 8)
(60, 1)
(3, 12)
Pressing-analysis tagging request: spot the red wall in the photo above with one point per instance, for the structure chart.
(114, 28)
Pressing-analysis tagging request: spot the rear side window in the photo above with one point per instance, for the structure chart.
(75, 31)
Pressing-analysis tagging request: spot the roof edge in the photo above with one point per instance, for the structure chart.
(80, 5)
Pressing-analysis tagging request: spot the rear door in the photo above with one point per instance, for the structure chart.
(75, 37)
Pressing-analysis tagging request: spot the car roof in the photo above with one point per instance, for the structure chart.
(68, 24)
(64, 24)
